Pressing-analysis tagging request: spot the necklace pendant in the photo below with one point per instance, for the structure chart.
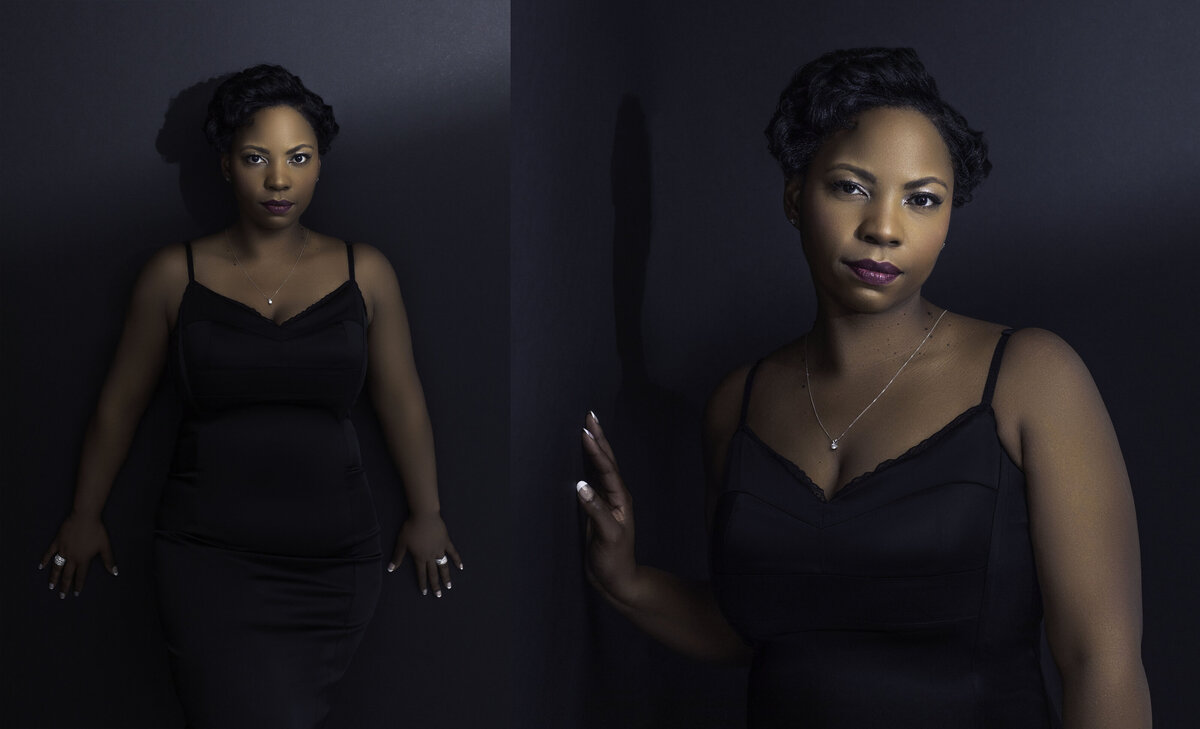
(270, 303)
(833, 445)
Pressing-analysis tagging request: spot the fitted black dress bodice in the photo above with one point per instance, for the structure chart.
(908, 599)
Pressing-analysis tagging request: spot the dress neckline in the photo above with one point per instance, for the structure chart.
(855, 482)
(281, 324)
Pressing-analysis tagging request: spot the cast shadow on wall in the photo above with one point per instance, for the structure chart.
(631, 680)
(181, 142)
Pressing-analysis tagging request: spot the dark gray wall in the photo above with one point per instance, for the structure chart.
(104, 163)
(1085, 228)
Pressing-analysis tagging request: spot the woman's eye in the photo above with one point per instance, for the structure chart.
(253, 159)
(925, 200)
(301, 158)
(848, 187)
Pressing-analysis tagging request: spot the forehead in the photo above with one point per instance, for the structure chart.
(901, 143)
(280, 124)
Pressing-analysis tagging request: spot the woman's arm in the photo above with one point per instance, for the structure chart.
(1084, 532)
(681, 614)
(399, 402)
(132, 377)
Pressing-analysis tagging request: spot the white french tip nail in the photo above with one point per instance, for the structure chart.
(438, 593)
(424, 592)
(594, 418)
(448, 585)
(589, 434)
(391, 568)
(584, 490)
(114, 571)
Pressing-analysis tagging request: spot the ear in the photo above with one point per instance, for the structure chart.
(793, 190)
(226, 167)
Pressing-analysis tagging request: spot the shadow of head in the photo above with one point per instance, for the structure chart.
(181, 142)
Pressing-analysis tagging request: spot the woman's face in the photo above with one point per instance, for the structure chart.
(273, 166)
(873, 210)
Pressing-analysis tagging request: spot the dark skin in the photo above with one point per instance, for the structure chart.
(882, 191)
(273, 158)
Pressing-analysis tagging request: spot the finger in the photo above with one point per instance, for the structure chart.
(49, 555)
(599, 513)
(434, 581)
(55, 574)
(106, 556)
(80, 578)
(612, 487)
(68, 575)
(422, 576)
(444, 574)
(397, 557)
(592, 423)
(450, 550)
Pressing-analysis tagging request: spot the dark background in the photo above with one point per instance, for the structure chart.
(636, 305)
(103, 163)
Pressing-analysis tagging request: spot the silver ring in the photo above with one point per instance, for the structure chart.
(60, 560)
(442, 561)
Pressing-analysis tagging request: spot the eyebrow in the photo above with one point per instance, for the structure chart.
(293, 150)
(871, 178)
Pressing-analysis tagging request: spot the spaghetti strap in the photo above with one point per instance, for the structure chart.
(187, 246)
(994, 369)
(350, 258)
(746, 392)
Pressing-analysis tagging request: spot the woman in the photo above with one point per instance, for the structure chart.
(897, 496)
(267, 553)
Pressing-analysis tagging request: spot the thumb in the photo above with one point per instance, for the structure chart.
(106, 556)
(398, 557)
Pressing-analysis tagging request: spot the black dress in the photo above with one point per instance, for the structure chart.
(267, 554)
(908, 599)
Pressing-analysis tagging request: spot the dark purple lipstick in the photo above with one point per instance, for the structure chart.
(877, 273)
(278, 207)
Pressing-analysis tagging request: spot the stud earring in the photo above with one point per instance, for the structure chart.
(792, 221)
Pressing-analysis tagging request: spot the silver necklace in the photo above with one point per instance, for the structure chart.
(271, 297)
(833, 442)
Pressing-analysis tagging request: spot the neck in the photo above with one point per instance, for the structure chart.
(250, 241)
(843, 342)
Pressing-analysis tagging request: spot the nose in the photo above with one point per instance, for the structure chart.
(277, 177)
(881, 224)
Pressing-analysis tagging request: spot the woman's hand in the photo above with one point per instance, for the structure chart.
(425, 535)
(611, 565)
(79, 539)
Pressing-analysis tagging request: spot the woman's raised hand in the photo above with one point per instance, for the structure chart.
(611, 565)
(80, 538)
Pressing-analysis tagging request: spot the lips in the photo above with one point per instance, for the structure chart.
(278, 207)
(876, 273)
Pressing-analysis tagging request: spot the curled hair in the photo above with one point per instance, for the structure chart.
(246, 92)
(829, 93)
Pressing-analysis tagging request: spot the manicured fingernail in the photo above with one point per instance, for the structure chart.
(76, 593)
(391, 566)
(424, 592)
(41, 566)
(461, 566)
(584, 490)
(594, 418)
(114, 570)
(448, 585)
(62, 596)
(589, 434)
(437, 593)
(51, 585)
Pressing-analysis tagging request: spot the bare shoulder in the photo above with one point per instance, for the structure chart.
(1036, 361)
(724, 406)
(370, 262)
(163, 278)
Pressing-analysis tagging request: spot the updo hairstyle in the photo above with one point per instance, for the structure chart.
(246, 92)
(829, 93)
